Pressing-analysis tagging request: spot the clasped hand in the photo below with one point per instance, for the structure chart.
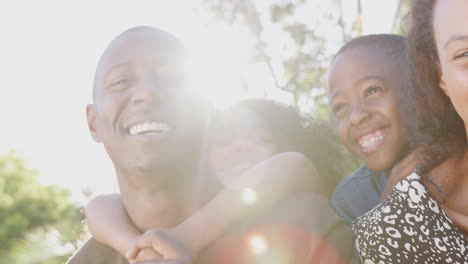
(157, 246)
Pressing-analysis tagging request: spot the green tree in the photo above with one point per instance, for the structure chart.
(401, 16)
(38, 223)
(311, 37)
(310, 41)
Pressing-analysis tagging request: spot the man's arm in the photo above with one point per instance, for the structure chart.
(295, 231)
(109, 222)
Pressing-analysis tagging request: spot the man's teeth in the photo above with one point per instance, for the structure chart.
(149, 127)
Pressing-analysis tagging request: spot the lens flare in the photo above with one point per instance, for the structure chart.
(249, 196)
(257, 244)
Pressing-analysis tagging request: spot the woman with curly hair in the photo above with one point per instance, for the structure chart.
(425, 218)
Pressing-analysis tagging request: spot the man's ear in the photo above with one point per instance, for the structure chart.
(91, 116)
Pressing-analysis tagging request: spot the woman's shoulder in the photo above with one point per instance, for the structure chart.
(409, 225)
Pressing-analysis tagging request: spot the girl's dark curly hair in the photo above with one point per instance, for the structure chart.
(295, 132)
(429, 116)
(394, 46)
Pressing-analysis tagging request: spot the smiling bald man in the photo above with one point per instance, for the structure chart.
(152, 127)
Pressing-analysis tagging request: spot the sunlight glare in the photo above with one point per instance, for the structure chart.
(258, 244)
(218, 60)
(249, 196)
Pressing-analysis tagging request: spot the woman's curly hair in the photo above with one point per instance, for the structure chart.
(430, 118)
(296, 132)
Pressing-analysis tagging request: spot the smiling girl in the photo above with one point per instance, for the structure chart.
(365, 77)
(425, 218)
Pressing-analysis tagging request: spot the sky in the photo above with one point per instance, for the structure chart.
(48, 54)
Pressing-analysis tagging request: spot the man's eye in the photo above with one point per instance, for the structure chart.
(372, 90)
(119, 82)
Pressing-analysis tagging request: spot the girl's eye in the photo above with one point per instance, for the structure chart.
(372, 90)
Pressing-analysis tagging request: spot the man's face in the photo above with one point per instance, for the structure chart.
(363, 86)
(143, 111)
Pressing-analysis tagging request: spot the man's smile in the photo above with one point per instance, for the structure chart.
(148, 128)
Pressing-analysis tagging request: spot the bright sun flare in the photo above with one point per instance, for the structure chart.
(218, 65)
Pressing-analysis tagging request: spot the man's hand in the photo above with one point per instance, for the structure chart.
(402, 169)
(171, 251)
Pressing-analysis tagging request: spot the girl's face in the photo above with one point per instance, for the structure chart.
(451, 37)
(363, 85)
(239, 141)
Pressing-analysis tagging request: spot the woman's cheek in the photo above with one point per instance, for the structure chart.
(457, 90)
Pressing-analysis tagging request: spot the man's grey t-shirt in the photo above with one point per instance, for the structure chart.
(358, 193)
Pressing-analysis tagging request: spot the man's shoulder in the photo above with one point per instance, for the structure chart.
(326, 236)
(291, 229)
(93, 252)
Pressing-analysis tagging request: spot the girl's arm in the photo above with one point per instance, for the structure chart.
(257, 189)
(109, 222)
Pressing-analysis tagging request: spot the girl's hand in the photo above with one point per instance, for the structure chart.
(401, 170)
(160, 241)
(146, 254)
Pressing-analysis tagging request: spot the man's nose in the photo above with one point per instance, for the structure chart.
(359, 115)
(148, 91)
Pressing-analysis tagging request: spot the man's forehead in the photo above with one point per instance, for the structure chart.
(142, 43)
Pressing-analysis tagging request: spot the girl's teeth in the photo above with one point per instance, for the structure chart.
(370, 142)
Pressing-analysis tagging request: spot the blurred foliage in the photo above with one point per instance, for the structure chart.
(310, 49)
(39, 224)
(401, 16)
(307, 53)
(308, 45)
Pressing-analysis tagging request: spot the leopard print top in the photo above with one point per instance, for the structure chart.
(409, 227)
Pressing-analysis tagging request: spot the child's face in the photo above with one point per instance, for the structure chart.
(238, 143)
(363, 85)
